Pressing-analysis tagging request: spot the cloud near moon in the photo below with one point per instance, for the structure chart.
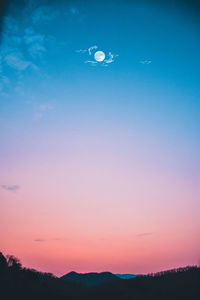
(100, 57)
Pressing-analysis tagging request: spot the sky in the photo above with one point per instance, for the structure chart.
(100, 164)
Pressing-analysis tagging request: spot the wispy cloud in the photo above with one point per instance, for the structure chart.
(17, 61)
(23, 48)
(89, 50)
(10, 188)
(43, 14)
(39, 240)
(81, 50)
(42, 240)
(41, 109)
(110, 58)
(91, 62)
(35, 42)
(145, 62)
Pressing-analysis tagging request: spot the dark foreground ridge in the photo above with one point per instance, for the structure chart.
(21, 283)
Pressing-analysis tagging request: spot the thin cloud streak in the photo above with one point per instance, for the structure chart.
(145, 62)
(41, 240)
(91, 62)
(89, 50)
(10, 188)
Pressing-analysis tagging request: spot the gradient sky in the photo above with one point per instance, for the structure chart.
(100, 162)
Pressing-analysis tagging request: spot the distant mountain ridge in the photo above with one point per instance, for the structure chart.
(90, 279)
(127, 276)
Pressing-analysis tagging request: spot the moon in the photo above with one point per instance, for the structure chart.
(99, 56)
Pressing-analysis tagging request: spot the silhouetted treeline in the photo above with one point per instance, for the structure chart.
(177, 284)
(17, 282)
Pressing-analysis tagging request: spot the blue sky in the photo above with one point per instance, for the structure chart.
(153, 80)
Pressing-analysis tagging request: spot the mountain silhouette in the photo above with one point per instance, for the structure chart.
(89, 279)
(21, 283)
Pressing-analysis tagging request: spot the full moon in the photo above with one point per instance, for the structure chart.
(99, 56)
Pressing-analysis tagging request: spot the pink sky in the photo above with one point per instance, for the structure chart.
(99, 209)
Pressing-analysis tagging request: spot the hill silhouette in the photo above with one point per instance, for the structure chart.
(89, 279)
(21, 283)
